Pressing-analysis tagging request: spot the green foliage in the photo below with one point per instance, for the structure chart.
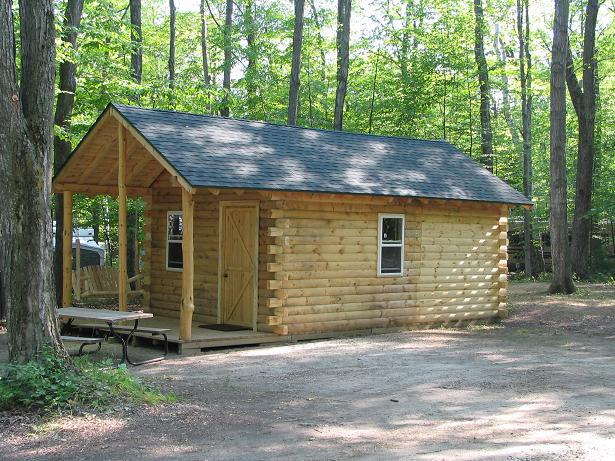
(414, 60)
(52, 384)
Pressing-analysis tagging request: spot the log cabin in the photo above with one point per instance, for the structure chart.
(296, 232)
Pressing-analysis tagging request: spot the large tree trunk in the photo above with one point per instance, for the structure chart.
(323, 59)
(584, 102)
(172, 46)
(251, 72)
(562, 278)
(293, 97)
(226, 80)
(64, 109)
(486, 134)
(26, 136)
(136, 57)
(343, 56)
(525, 76)
(513, 129)
(204, 55)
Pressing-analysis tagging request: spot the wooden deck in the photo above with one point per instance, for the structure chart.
(203, 338)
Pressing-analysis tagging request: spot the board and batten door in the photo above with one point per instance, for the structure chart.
(238, 264)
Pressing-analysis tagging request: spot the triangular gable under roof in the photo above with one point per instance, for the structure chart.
(216, 152)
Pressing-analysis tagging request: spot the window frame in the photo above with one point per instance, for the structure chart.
(166, 230)
(381, 244)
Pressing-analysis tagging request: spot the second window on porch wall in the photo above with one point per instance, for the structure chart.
(175, 258)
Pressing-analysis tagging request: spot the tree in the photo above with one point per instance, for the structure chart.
(525, 78)
(343, 56)
(226, 79)
(562, 278)
(172, 46)
(136, 37)
(251, 76)
(486, 133)
(136, 66)
(293, 97)
(584, 103)
(26, 134)
(64, 109)
(204, 54)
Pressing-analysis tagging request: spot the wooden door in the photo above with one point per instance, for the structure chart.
(238, 264)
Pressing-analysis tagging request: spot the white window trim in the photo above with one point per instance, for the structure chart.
(166, 230)
(381, 244)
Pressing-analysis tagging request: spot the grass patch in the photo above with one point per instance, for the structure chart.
(51, 384)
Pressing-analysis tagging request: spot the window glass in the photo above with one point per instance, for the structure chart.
(390, 262)
(175, 226)
(175, 258)
(391, 230)
(391, 245)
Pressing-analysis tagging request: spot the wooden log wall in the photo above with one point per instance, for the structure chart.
(165, 287)
(325, 258)
(318, 257)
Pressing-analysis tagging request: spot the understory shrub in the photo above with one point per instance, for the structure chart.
(52, 383)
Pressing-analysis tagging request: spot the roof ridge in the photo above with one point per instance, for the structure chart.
(264, 122)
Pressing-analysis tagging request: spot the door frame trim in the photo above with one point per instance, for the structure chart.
(223, 204)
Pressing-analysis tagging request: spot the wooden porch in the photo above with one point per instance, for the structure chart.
(203, 338)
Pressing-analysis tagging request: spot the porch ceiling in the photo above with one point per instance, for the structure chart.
(93, 167)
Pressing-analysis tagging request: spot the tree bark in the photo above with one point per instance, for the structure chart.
(26, 136)
(293, 97)
(226, 80)
(562, 278)
(584, 103)
(204, 54)
(513, 129)
(64, 109)
(525, 77)
(136, 57)
(343, 56)
(323, 58)
(486, 133)
(172, 46)
(251, 72)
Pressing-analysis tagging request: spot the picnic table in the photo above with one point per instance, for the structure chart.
(111, 319)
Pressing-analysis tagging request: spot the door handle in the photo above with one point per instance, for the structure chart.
(225, 275)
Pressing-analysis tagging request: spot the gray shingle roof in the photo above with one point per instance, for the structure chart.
(221, 152)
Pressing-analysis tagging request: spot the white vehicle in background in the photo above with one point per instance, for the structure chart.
(92, 254)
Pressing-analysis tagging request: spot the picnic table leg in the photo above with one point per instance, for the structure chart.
(66, 328)
(157, 359)
(123, 342)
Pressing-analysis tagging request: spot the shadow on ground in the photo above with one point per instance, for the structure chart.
(493, 393)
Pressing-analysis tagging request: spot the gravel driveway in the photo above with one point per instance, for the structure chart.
(505, 393)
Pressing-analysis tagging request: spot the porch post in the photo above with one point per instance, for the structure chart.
(122, 237)
(187, 307)
(67, 250)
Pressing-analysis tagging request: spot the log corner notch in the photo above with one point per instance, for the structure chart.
(187, 301)
(503, 267)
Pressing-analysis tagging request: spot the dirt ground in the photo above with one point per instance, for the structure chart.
(540, 386)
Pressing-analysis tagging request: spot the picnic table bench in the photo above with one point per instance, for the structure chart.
(84, 340)
(153, 331)
(111, 319)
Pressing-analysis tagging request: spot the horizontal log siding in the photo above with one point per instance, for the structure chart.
(324, 259)
(166, 286)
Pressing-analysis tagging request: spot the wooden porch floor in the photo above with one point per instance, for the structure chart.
(205, 338)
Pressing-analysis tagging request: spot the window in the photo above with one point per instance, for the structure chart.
(390, 244)
(175, 259)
